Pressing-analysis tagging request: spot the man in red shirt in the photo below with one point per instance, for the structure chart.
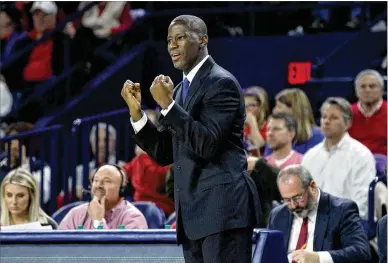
(370, 112)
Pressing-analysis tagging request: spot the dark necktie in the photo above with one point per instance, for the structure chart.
(302, 235)
(185, 89)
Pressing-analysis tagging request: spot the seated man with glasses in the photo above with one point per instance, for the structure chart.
(317, 227)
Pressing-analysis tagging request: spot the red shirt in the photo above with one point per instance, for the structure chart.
(149, 181)
(370, 130)
(38, 67)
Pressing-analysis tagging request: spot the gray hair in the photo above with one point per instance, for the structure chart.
(343, 104)
(372, 72)
(296, 170)
(102, 125)
(194, 23)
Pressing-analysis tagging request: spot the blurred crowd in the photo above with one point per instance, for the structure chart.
(344, 152)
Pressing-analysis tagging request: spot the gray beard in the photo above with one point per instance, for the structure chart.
(312, 205)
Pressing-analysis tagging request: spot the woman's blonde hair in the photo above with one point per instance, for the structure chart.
(22, 177)
(262, 97)
(300, 105)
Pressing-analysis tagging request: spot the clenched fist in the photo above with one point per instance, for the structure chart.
(132, 95)
(161, 90)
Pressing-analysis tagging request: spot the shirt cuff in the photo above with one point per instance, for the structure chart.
(289, 257)
(325, 257)
(138, 125)
(165, 111)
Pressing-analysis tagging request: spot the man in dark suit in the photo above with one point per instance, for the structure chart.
(318, 227)
(201, 133)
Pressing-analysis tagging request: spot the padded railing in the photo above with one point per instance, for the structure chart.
(372, 224)
(119, 246)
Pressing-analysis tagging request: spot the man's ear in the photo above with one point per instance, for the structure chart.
(203, 41)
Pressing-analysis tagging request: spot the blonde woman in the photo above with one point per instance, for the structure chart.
(296, 103)
(19, 195)
(257, 111)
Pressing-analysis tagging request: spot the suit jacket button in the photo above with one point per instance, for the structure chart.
(178, 189)
(178, 167)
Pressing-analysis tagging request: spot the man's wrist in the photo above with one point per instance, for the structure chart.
(135, 115)
(166, 104)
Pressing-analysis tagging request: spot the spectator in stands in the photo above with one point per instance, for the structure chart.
(148, 178)
(255, 127)
(20, 200)
(107, 209)
(382, 239)
(12, 40)
(19, 158)
(281, 132)
(317, 226)
(370, 112)
(46, 59)
(40, 63)
(98, 24)
(341, 165)
(11, 30)
(295, 102)
(102, 153)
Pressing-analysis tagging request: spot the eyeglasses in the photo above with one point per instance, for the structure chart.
(296, 199)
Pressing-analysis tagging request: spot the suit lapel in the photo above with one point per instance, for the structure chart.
(286, 226)
(177, 95)
(321, 221)
(196, 84)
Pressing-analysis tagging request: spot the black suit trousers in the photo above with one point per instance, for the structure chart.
(229, 246)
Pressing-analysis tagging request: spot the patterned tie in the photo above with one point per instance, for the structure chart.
(185, 89)
(302, 235)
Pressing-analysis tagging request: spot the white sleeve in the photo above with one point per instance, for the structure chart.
(165, 111)
(137, 126)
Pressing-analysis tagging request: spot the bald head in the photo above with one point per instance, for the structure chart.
(107, 181)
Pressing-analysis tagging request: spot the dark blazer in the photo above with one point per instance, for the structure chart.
(204, 139)
(382, 239)
(338, 229)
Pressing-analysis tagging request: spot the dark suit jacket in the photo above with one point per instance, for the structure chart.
(204, 140)
(338, 229)
(382, 239)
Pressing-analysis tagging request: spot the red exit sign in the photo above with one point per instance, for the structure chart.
(299, 72)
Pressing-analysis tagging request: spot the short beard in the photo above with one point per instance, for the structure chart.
(311, 205)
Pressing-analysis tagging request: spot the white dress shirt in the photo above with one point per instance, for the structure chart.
(137, 126)
(324, 256)
(345, 171)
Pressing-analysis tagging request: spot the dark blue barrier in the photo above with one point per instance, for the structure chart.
(114, 127)
(372, 223)
(119, 246)
(44, 159)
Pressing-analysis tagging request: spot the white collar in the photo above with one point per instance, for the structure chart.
(194, 71)
(343, 142)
